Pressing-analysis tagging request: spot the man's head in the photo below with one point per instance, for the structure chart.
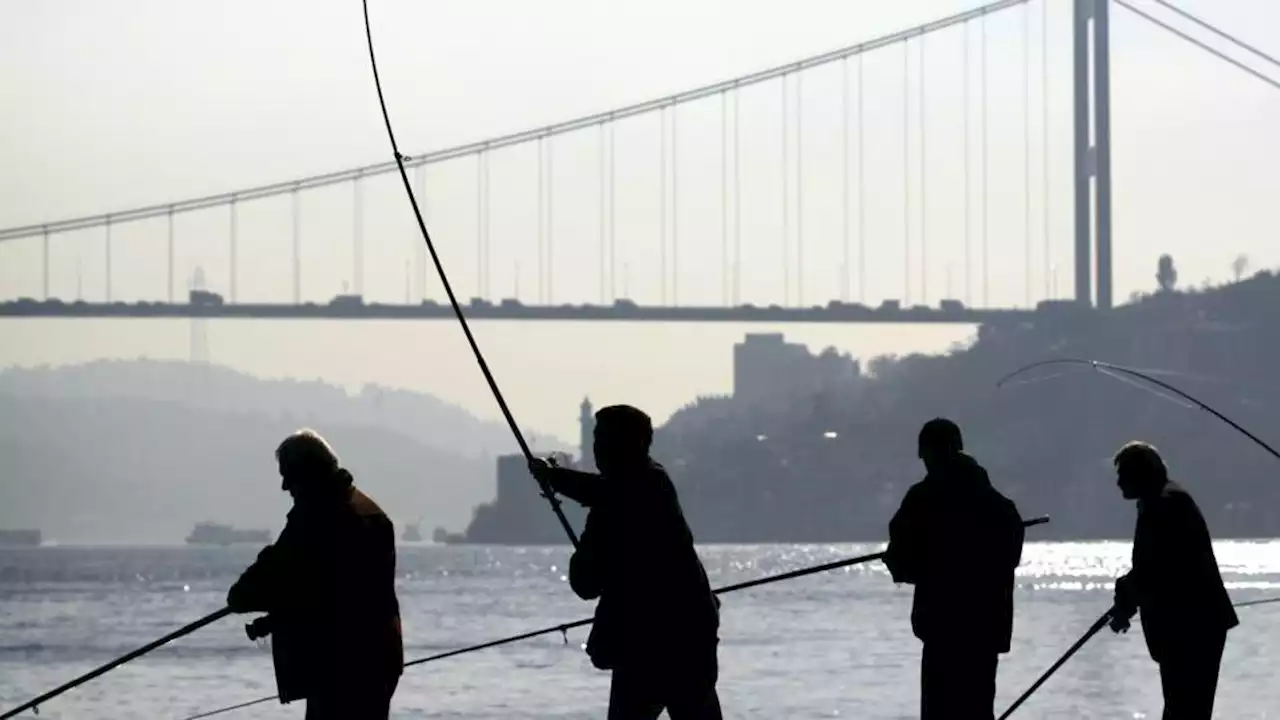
(940, 442)
(623, 435)
(1140, 471)
(307, 464)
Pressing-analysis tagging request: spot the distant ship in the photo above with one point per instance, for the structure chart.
(215, 534)
(411, 534)
(20, 538)
(444, 537)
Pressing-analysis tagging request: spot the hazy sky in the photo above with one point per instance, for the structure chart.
(110, 106)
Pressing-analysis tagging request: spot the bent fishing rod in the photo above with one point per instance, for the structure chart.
(547, 492)
(1094, 629)
(1111, 369)
(564, 628)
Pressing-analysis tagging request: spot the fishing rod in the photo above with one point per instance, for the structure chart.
(1093, 630)
(185, 630)
(1111, 369)
(1096, 627)
(564, 628)
(547, 492)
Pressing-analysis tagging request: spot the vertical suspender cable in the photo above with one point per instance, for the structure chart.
(480, 224)
(662, 214)
(906, 174)
(1044, 91)
(737, 200)
(799, 189)
(844, 161)
(675, 208)
(986, 159)
(600, 240)
(551, 220)
(786, 188)
(724, 199)
(613, 211)
(968, 196)
(862, 196)
(1026, 146)
(542, 224)
(924, 188)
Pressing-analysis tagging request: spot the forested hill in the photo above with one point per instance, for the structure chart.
(129, 452)
(749, 474)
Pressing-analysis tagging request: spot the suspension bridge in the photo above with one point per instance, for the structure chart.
(950, 181)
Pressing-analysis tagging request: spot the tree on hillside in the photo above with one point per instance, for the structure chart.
(1240, 266)
(1166, 274)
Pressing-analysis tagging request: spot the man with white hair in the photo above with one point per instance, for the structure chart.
(1175, 583)
(328, 586)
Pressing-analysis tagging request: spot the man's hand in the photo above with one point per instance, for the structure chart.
(1120, 622)
(1126, 604)
(542, 470)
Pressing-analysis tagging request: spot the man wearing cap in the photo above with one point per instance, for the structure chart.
(959, 541)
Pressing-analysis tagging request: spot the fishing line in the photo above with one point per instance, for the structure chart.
(448, 289)
(1158, 393)
(565, 627)
(35, 704)
(1093, 630)
(1103, 366)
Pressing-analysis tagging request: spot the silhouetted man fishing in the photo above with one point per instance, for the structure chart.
(958, 540)
(656, 620)
(328, 584)
(1174, 582)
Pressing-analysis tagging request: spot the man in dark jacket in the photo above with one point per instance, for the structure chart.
(1175, 583)
(958, 540)
(328, 584)
(656, 620)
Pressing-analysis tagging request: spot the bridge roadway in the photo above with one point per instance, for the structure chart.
(509, 310)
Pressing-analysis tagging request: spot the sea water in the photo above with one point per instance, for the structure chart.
(836, 645)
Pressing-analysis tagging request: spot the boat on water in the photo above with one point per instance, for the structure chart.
(411, 534)
(20, 538)
(208, 533)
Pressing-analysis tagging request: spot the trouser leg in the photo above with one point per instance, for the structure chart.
(633, 695)
(957, 682)
(354, 702)
(1190, 680)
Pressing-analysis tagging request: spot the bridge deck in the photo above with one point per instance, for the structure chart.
(835, 313)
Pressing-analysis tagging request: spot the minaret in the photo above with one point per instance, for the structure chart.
(586, 436)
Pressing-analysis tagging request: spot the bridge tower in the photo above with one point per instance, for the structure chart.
(1092, 151)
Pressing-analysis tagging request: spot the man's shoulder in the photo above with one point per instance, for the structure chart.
(366, 507)
(1174, 500)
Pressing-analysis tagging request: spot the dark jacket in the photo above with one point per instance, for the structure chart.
(1175, 582)
(637, 557)
(328, 584)
(958, 540)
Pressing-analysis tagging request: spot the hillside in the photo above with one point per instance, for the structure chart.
(137, 452)
(211, 387)
(779, 476)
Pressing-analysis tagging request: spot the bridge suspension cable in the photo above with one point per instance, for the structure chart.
(1211, 28)
(508, 140)
(1198, 43)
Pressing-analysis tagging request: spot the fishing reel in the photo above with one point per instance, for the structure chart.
(259, 628)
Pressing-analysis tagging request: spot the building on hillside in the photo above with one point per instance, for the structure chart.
(767, 369)
(519, 514)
